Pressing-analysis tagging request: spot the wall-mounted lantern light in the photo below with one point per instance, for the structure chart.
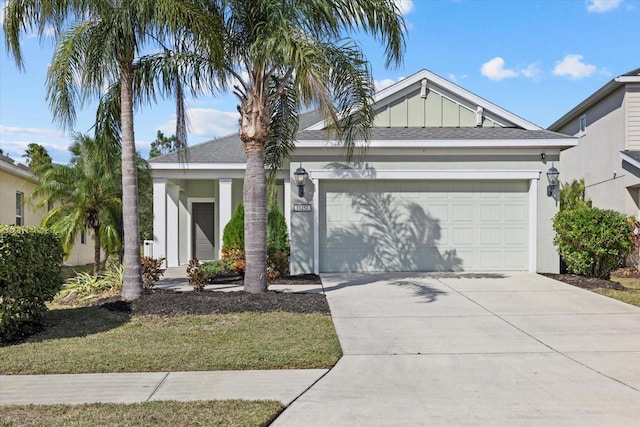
(301, 176)
(553, 189)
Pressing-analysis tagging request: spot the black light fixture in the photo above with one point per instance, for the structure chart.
(301, 176)
(553, 189)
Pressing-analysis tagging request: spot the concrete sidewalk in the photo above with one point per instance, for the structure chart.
(281, 385)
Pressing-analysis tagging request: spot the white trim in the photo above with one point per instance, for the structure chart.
(533, 225)
(629, 160)
(446, 143)
(316, 226)
(13, 169)
(461, 174)
(198, 166)
(190, 202)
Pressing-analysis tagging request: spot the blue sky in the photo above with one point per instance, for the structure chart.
(535, 58)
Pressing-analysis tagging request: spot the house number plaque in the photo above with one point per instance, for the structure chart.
(302, 207)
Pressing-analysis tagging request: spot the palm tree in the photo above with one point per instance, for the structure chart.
(85, 193)
(285, 56)
(98, 44)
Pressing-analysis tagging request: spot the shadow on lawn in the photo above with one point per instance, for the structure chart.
(78, 322)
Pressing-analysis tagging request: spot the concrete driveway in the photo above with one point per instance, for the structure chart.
(474, 349)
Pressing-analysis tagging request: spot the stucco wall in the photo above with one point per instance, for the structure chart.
(10, 184)
(596, 157)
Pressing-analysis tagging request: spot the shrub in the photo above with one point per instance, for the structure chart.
(234, 258)
(593, 242)
(277, 235)
(196, 276)
(572, 195)
(277, 265)
(151, 271)
(30, 276)
(85, 286)
(215, 268)
(233, 234)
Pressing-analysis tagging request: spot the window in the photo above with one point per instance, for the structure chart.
(83, 237)
(583, 124)
(19, 208)
(49, 206)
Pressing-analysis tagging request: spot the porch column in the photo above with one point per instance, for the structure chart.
(160, 219)
(316, 226)
(173, 237)
(225, 206)
(287, 204)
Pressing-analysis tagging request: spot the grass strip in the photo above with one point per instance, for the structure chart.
(95, 340)
(228, 413)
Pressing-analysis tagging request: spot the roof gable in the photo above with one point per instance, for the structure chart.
(632, 77)
(428, 100)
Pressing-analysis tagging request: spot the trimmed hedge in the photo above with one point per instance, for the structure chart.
(30, 276)
(593, 242)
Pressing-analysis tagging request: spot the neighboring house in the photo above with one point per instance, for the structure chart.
(450, 182)
(607, 155)
(16, 184)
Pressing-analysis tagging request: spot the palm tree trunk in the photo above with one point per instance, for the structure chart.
(255, 219)
(96, 251)
(132, 286)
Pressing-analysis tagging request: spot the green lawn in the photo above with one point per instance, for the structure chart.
(91, 339)
(228, 413)
(630, 295)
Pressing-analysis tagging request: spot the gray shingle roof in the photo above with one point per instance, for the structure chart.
(229, 149)
(444, 133)
(632, 73)
(635, 155)
(15, 163)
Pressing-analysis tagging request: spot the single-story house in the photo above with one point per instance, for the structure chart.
(450, 182)
(607, 156)
(17, 182)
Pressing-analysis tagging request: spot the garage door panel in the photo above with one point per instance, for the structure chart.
(423, 225)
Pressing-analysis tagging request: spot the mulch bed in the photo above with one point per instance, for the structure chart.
(170, 303)
(586, 282)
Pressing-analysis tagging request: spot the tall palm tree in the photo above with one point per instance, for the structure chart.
(287, 55)
(98, 44)
(85, 195)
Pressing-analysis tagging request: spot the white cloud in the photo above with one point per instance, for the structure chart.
(206, 122)
(405, 6)
(37, 132)
(2, 6)
(494, 70)
(573, 67)
(532, 71)
(385, 83)
(382, 84)
(602, 6)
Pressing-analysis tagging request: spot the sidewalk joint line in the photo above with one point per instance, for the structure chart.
(158, 386)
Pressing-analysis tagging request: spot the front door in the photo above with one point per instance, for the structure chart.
(203, 225)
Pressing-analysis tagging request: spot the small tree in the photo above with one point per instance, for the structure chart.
(233, 242)
(572, 195)
(593, 242)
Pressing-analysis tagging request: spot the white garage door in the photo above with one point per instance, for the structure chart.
(423, 225)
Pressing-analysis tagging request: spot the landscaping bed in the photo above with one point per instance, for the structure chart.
(171, 303)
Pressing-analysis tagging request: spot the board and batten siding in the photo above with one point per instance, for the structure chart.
(633, 120)
(435, 110)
